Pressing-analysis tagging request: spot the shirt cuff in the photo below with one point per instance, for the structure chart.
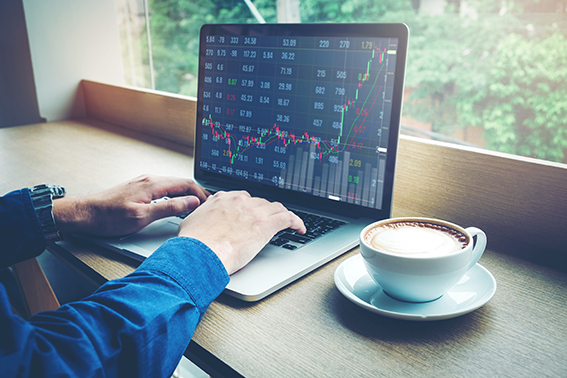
(20, 231)
(193, 265)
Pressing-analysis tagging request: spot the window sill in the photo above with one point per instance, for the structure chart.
(517, 201)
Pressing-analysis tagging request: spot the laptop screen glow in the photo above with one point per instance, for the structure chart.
(301, 109)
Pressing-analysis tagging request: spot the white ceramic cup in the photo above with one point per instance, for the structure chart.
(421, 277)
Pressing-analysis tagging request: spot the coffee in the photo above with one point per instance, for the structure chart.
(416, 238)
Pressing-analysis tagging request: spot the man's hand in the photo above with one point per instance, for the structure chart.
(236, 226)
(128, 207)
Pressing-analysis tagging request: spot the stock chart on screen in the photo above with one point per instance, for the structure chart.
(306, 113)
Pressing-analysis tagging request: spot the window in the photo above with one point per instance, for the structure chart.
(480, 72)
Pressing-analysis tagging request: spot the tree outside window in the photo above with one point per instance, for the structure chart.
(481, 72)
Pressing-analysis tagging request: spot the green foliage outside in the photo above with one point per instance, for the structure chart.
(524, 107)
(473, 63)
(175, 26)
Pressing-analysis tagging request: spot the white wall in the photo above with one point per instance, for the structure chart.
(71, 40)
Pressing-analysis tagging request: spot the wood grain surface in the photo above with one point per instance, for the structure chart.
(36, 290)
(84, 156)
(309, 328)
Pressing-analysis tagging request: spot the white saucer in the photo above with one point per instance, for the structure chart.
(475, 289)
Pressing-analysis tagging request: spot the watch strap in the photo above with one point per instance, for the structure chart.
(42, 199)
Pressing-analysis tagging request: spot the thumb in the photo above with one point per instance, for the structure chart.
(173, 206)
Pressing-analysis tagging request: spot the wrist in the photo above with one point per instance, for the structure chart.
(221, 248)
(225, 253)
(71, 215)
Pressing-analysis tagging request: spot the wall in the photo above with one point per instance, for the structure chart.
(18, 102)
(71, 40)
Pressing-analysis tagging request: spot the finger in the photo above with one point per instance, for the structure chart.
(281, 216)
(174, 187)
(232, 194)
(198, 191)
(173, 207)
(297, 223)
(287, 219)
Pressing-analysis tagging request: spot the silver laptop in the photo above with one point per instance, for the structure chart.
(304, 114)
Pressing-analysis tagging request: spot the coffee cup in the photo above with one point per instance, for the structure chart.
(419, 259)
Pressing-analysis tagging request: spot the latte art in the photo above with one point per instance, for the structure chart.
(413, 238)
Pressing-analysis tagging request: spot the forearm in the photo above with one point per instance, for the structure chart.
(141, 323)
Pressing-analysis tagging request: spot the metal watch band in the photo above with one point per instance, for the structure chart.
(42, 198)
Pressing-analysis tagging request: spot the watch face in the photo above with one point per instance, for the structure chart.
(57, 191)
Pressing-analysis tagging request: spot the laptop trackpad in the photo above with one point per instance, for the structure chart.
(154, 235)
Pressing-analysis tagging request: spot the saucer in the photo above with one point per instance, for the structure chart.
(475, 289)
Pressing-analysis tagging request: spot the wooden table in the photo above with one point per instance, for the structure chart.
(309, 328)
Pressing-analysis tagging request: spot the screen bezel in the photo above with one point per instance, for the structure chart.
(288, 197)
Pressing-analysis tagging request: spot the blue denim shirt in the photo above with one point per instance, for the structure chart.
(21, 237)
(136, 326)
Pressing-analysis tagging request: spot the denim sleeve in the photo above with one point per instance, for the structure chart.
(136, 326)
(21, 237)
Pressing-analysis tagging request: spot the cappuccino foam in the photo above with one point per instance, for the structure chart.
(413, 238)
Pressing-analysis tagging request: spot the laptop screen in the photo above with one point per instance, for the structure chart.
(309, 108)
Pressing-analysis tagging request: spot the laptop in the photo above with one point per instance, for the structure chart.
(304, 114)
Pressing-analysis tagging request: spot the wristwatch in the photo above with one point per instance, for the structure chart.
(42, 197)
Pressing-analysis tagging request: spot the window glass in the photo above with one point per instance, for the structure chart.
(132, 26)
(480, 72)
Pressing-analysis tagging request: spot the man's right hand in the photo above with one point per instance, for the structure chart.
(237, 226)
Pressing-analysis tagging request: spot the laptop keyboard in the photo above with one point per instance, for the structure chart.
(316, 225)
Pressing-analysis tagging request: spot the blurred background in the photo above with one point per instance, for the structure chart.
(480, 72)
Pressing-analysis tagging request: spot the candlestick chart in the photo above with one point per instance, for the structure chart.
(307, 114)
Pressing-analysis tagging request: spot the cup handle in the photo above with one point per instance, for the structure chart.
(479, 246)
